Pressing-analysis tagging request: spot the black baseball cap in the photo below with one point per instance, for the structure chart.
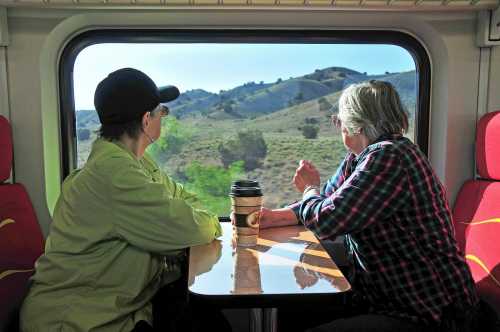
(126, 94)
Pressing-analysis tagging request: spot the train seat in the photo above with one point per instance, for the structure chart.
(21, 240)
(477, 213)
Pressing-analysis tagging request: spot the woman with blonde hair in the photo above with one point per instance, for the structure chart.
(408, 272)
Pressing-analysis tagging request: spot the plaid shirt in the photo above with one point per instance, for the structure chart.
(398, 232)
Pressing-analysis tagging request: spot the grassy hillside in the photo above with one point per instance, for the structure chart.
(205, 126)
(285, 143)
(276, 173)
(251, 99)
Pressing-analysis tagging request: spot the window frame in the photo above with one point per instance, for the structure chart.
(277, 36)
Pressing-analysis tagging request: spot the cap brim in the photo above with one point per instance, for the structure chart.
(168, 93)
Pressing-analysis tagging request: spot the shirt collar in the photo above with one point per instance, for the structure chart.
(381, 138)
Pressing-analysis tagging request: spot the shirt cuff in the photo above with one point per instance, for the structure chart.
(310, 191)
(295, 207)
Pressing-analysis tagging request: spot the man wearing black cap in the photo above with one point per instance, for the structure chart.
(119, 224)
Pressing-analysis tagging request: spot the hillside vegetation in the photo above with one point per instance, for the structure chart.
(256, 131)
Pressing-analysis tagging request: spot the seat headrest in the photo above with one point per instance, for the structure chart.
(488, 146)
(5, 149)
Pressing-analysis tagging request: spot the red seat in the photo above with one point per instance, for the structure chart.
(477, 213)
(21, 241)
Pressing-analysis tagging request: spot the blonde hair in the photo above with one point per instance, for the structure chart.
(374, 108)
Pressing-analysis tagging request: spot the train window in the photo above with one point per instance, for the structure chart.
(248, 108)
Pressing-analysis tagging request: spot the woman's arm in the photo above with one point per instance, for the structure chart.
(377, 187)
(277, 218)
(147, 215)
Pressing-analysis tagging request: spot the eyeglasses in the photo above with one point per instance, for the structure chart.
(161, 110)
(335, 121)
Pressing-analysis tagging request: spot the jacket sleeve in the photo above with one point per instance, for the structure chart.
(177, 190)
(150, 216)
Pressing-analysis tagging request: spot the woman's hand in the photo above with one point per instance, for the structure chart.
(273, 218)
(233, 218)
(306, 175)
(267, 217)
(276, 218)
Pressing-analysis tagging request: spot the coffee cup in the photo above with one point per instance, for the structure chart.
(246, 202)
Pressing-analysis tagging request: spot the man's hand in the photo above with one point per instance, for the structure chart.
(306, 175)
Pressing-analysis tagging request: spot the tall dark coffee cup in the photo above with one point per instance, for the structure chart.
(246, 201)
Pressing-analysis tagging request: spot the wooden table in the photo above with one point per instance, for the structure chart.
(288, 265)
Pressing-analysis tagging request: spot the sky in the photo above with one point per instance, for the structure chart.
(215, 67)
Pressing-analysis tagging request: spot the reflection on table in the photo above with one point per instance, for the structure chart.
(286, 260)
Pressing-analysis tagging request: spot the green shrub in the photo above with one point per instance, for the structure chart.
(249, 146)
(212, 184)
(310, 131)
(173, 137)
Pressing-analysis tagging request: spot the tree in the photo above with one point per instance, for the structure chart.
(309, 131)
(249, 146)
(299, 97)
(227, 107)
(173, 137)
(212, 184)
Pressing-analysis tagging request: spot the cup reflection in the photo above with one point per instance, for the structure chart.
(246, 272)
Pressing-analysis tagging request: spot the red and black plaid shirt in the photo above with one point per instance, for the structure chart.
(398, 231)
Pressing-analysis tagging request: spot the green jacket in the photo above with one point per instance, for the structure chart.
(114, 222)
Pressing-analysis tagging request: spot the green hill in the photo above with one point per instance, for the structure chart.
(205, 121)
(280, 96)
(252, 99)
